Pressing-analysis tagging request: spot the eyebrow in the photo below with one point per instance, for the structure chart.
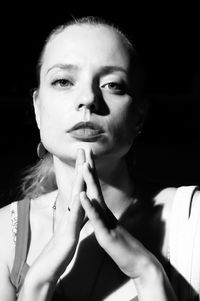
(103, 70)
(69, 67)
(110, 69)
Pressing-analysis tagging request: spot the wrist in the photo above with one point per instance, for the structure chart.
(36, 289)
(153, 284)
(35, 279)
(152, 273)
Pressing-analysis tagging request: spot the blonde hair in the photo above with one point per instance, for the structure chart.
(39, 179)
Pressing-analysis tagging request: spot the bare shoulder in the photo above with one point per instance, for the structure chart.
(7, 291)
(6, 239)
(5, 222)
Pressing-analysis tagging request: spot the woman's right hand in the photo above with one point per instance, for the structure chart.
(59, 251)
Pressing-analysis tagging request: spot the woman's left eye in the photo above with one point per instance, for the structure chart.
(115, 87)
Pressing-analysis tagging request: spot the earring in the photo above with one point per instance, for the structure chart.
(41, 151)
(138, 132)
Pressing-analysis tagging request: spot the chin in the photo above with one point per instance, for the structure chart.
(68, 154)
(67, 151)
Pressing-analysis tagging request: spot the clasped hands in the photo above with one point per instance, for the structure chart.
(87, 201)
(127, 252)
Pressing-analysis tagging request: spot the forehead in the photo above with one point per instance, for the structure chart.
(87, 44)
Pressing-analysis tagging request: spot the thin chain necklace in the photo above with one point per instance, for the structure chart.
(54, 207)
(54, 214)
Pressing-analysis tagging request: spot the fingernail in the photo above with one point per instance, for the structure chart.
(83, 195)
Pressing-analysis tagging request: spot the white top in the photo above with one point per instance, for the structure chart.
(184, 245)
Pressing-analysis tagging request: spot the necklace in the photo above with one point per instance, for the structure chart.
(54, 214)
(53, 230)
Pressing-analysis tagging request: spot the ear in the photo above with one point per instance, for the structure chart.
(36, 107)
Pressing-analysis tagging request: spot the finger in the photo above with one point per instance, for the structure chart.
(93, 216)
(93, 187)
(115, 241)
(100, 218)
(78, 184)
(90, 157)
(91, 161)
(95, 194)
(80, 158)
(76, 211)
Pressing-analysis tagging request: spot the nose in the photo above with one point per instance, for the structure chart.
(88, 98)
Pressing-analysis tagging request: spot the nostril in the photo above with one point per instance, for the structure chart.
(81, 106)
(91, 106)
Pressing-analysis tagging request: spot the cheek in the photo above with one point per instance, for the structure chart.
(53, 120)
(54, 112)
(124, 122)
(50, 118)
(122, 129)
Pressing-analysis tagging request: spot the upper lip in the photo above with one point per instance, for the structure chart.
(84, 125)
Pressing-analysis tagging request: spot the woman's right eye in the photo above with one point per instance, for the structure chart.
(62, 83)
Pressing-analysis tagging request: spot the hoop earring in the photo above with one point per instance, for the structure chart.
(41, 151)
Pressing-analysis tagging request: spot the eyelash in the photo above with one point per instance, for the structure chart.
(62, 82)
(118, 88)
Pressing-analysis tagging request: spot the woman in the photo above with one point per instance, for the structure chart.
(98, 235)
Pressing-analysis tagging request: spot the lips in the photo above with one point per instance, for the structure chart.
(86, 131)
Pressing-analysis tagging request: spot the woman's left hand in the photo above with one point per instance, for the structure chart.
(129, 254)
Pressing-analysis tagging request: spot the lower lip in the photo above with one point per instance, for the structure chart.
(87, 135)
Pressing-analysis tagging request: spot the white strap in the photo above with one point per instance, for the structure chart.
(184, 244)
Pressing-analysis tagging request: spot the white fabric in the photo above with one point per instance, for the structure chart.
(184, 244)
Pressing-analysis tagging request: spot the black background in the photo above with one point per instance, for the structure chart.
(167, 36)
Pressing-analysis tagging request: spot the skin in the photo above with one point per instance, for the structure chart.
(81, 168)
(86, 93)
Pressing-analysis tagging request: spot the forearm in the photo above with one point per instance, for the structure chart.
(154, 285)
(34, 290)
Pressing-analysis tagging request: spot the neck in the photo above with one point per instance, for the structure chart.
(116, 184)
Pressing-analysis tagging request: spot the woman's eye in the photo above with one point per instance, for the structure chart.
(115, 87)
(63, 83)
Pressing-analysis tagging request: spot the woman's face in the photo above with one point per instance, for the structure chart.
(84, 99)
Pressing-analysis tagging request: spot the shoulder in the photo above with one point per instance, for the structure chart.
(171, 198)
(5, 222)
(6, 239)
(184, 194)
